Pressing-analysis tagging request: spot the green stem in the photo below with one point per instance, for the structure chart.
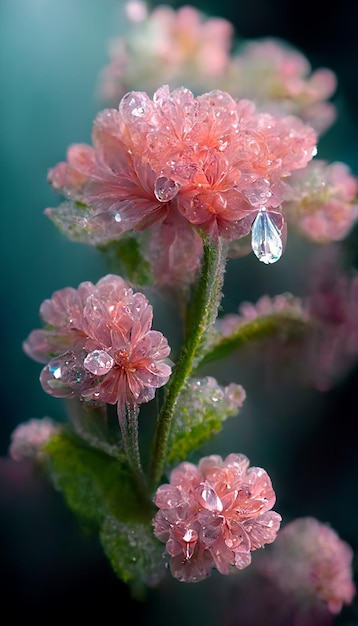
(128, 422)
(202, 313)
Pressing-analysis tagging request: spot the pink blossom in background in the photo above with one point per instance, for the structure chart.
(216, 161)
(214, 515)
(311, 564)
(329, 348)
(325, 204)
(29, 437)
(332, 305)
(186, 47)
(98, 344)
(305, 578)
(136, 10)
(173, 46)
(285, 303)
(279, 78)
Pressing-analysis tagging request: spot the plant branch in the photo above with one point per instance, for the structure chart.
(202, 313)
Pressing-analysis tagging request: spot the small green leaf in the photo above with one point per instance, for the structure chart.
(124, 257)
(133, 551)
(202, 408)
(288, 327)
(77, 221)
(93, 483)
(96, 426)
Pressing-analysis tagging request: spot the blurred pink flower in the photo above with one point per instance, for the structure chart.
(174, 46)
(186, 47)
(284, 303)
(29, 437)
(332, 306)
(98, 344)
(279, 78)
(214, 515)
(217, 162)
(311, 565)
(329, 347)
(325, 206)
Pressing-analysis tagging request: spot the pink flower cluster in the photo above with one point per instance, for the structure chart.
(185, 47)
(333, 308)
(214, 515)
(279, 79)
(98, 344)
(179, 47)
(29, 437)
(330, 309)
(284, 303)
(325, 206)
(311, 565)
(180, 162)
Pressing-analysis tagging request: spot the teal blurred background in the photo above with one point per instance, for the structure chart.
(51, 53)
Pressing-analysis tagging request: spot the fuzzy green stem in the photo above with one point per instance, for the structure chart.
(128, 422)
(202, 313)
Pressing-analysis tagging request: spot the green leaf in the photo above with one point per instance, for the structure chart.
(285, 326)
(133, 551)
(78, 222)
(93, 483)
(99, 489)
(202, 408)
(124, 257)
(96, 426)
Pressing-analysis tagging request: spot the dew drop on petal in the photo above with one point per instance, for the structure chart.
(266, 239)
(98, 362)
(64, 371)
(134, 104)
(209, 499)
(165, 189)
(190, 535)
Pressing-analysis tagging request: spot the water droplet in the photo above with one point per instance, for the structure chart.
(55, 369)
(63, 372)
(266, 239)
(165, 189)
(98, 362)
(134, 104)
(209, 499)
(190, 535)
(117, 217)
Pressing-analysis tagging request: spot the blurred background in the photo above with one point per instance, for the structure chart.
(51, 53)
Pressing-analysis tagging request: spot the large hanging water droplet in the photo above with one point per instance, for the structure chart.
(266, 239)
(165, 189)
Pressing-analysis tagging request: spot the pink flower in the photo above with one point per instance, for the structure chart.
(214, 515)
(279, 79)
(217, 162)
(98, 344)
(285, 304)
(325, 205)
(311, 565)
(178, 47)
(174, 252)
(28, 439)
(333, 309)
